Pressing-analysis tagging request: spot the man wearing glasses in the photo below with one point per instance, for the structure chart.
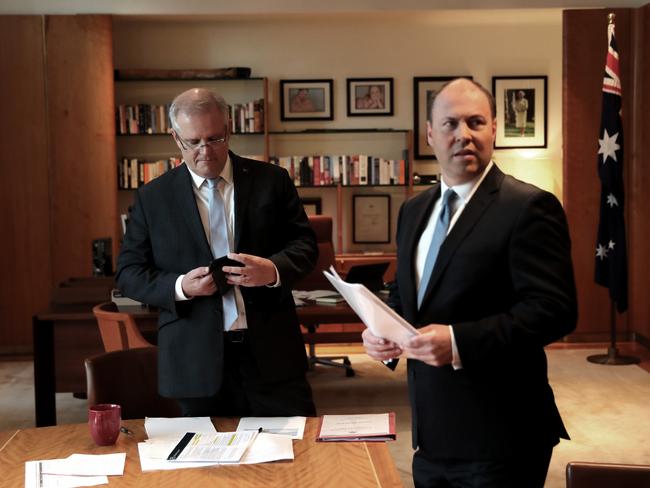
(232, 348)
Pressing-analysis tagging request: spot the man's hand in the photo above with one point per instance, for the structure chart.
(256, 271)
(198, 282)
(432, 346)
(379, 348)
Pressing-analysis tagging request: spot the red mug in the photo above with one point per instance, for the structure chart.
(104, 421)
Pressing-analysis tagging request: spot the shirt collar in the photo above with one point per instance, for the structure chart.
(467, 189)
(226, 174)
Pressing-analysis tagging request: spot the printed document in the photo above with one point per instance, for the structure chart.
(382, 320)
(160, 427)
(294, 427)
(363, 427)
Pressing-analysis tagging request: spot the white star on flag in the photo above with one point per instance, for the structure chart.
(611, 200)
(601, 252)
(608, 146)
(611, 245)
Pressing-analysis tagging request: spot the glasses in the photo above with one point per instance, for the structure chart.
(195, 146)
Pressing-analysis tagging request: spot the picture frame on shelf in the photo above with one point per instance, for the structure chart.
(371, 219)
(424, 89)
(306, 100)
(312, 205)
(368, 97)
(521, 103)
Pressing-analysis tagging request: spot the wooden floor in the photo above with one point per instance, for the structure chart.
(624, 349)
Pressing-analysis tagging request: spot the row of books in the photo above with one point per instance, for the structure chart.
(154, 119)
(357, 169)
(133, 172)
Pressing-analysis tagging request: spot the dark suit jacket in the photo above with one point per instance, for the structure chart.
(165, 239)
(504, 280)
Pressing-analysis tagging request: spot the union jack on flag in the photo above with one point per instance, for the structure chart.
(611, 255)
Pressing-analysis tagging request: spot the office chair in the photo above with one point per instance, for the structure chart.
(322, 226)
(129, 378)
(118, 329)
(601, 475)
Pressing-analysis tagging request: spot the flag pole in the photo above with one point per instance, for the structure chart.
(612, 357)
(611, 231)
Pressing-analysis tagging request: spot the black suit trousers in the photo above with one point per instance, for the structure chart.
(244, 394)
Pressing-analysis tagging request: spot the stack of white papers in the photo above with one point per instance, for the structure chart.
(206, 447)
(75, 470)
(382, 320)
(372, 427)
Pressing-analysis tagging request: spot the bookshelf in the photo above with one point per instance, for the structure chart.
(142, 146)
(337, 195)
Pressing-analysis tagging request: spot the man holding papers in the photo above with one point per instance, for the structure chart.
(484, 272)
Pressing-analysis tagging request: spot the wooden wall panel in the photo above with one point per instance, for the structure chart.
(639, 218)
(584, 49)
(79, 77)
(24, 193)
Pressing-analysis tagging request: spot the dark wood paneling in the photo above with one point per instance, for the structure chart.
(639, 181)
(24, 194)
(79, 76)
(584, 50)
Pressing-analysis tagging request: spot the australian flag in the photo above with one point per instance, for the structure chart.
(611, 255)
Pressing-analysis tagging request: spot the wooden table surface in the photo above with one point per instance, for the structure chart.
(337, 465)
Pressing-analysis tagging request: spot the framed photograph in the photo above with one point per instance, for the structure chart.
(311, 205)
(306, 100)
(424, 89)
(521, 111)
(370, 96)
(371, 219)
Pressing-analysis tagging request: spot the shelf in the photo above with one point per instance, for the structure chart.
(169, 134)
(337, 131)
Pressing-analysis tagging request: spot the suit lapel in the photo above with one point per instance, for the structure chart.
(184, 195)
(479, 203)
(242, 179)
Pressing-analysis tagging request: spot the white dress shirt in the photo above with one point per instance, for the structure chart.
(465, 193)
(226, 188)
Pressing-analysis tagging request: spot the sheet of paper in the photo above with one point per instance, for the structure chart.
(268, 447)
(35, 478)
(87, 465)
(355, 425)
(222, 447)
(310, 294)
(160, 427)
(289, 426)
(382, 320)
(150, 460)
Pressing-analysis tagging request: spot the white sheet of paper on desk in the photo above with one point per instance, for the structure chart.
(151, 460)
(35, 478)
(267, 448)
(382, 320)
(176, 427)
(290, 426)
(87, 465)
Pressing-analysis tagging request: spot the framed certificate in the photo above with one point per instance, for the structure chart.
(371, 219)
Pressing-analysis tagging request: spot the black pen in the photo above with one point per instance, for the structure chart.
(126, 431)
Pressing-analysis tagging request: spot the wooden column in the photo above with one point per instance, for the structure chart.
(24, 191)
(80, 90)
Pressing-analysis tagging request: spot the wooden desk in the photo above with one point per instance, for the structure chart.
(67, 334)
(315, 464)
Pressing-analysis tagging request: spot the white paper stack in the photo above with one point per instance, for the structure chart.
(75, 470)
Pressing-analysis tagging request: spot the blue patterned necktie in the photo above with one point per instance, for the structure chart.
(439, 234)
(219, 245)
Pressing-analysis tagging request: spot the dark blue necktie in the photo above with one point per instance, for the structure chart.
(439, 234)
(219, 245)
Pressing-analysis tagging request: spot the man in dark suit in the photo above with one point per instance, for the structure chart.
(484, 271)
(238, 351)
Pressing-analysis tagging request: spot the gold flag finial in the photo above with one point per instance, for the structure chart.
(611, 18)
